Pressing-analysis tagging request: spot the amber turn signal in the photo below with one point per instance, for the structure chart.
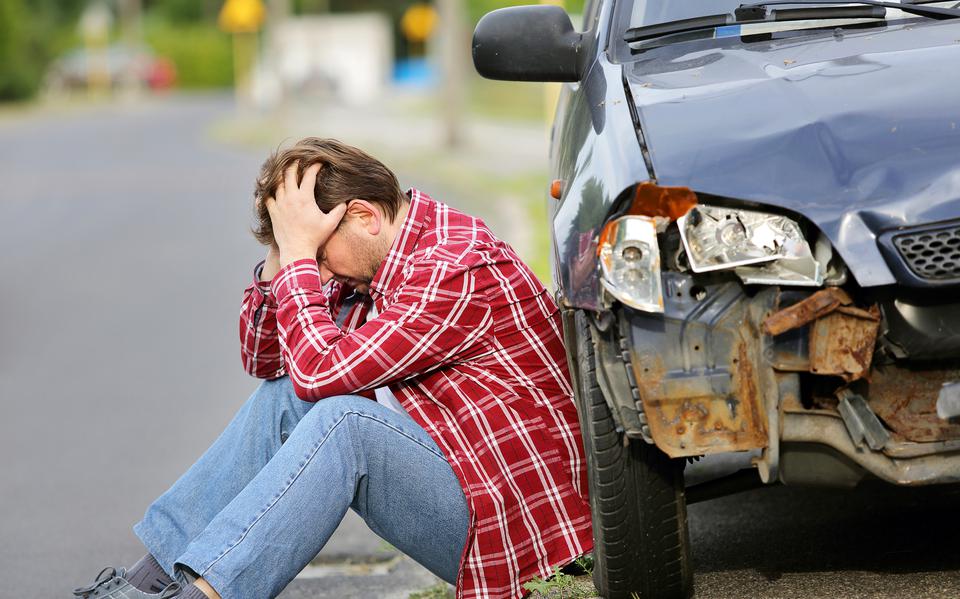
(556, 189)
(652, 200)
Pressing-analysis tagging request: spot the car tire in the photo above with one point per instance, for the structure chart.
(641, 546)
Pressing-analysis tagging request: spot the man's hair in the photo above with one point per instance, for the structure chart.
(347, 173)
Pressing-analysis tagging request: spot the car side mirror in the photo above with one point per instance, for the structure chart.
(528, 43)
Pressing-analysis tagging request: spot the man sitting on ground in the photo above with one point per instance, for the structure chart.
(470, 458)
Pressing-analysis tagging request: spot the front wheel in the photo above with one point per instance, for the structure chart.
(641, 546)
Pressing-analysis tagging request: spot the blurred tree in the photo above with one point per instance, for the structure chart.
(184, 11)
(185, 31)
(201, 52)
(31, 34)
(310, 6)
(15, 78)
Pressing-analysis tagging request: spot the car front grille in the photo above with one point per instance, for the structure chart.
(932, 253)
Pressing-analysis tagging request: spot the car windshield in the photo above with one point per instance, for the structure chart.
(640, 13)
(643, 12)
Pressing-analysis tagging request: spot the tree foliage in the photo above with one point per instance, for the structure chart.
(31, 34)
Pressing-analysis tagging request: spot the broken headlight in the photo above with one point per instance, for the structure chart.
(630, 262)
(760, 247)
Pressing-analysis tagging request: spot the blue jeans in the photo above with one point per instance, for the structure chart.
(266, 496)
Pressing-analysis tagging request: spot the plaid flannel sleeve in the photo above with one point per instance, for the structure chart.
(259, 339)
(434, 318)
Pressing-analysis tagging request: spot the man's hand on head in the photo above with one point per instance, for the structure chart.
(299, 226)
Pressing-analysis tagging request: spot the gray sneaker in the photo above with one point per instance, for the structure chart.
(111, 584)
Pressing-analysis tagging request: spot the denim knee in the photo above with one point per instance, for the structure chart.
(334, 408)
(344, 412)
(275, 409)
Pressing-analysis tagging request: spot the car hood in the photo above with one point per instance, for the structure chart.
(858, 131)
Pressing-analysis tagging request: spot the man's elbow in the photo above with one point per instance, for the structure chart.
(304, 391)
(262, 370)
(249, 365)
(311, 390)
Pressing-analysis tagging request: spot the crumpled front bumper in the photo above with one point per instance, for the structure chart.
(727, 370)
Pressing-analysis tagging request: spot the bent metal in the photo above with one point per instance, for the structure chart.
(718, 371)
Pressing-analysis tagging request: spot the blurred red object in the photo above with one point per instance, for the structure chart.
(161, 74)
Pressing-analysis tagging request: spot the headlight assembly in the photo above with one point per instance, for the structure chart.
(630, 262)
(761, 247)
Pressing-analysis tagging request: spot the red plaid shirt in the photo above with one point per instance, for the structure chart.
(469, 341)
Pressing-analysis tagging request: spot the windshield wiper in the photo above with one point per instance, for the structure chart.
(749, 14)
(915, 8)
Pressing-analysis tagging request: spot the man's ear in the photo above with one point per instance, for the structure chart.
(366, 214)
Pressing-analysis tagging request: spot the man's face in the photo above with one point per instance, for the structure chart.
(351, 256)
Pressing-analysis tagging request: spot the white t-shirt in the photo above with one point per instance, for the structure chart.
(385, 396)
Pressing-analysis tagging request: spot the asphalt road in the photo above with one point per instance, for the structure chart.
(124, 248)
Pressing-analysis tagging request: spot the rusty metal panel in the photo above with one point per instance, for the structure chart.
(841, 343)
(906, 400)
(842, 336)
(693, 415)
(818, 304)
(698, 368)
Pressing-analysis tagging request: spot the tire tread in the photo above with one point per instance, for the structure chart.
(641, 543)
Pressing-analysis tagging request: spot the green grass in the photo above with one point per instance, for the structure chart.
(507, 100)
(441, 590)
(511, 101)
(539, 258)
(561, 586)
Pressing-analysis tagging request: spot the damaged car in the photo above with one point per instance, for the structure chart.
(756, 234)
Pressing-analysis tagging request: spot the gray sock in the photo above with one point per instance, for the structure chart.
(147, 575)
(191, 592)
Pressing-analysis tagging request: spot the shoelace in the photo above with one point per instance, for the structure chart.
(109, 574)
(173, 589)
(100, 580)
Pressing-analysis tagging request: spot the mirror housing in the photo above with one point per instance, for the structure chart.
(528, 43)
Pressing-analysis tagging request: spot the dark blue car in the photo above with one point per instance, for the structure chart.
(756, 228)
